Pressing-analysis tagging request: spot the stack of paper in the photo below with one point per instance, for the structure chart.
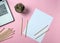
(38, 25)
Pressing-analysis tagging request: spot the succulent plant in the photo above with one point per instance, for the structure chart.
(19, 7)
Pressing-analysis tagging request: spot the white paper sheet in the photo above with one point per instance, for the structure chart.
(39, 21)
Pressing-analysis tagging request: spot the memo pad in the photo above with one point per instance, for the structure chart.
(38, 25)
(5, 13)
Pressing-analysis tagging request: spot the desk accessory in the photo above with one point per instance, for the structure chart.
(4, 35)
(19, 8)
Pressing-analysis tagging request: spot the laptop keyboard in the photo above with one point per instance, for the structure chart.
(3, 10)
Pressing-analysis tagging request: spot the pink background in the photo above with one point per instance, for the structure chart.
(51, 7)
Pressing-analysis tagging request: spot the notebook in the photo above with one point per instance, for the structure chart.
(38, 25)
(5, 13)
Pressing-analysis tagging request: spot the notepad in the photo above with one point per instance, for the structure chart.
(38, 25)
(5, 13)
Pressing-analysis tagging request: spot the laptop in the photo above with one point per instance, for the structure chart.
(6, 16)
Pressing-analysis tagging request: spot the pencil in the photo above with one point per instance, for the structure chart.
(26, 29)
(2, 30)
(40, 30)
(6, 34)
(21, 25)
(41, 34)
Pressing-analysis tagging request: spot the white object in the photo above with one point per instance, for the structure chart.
(5, 13)
(39, 21)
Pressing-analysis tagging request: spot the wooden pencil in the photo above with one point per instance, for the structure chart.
(40, 31)
(21, 25)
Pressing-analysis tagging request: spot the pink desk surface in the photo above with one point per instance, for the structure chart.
(51, 7)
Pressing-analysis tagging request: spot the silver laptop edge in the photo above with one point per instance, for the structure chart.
(5, 13)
